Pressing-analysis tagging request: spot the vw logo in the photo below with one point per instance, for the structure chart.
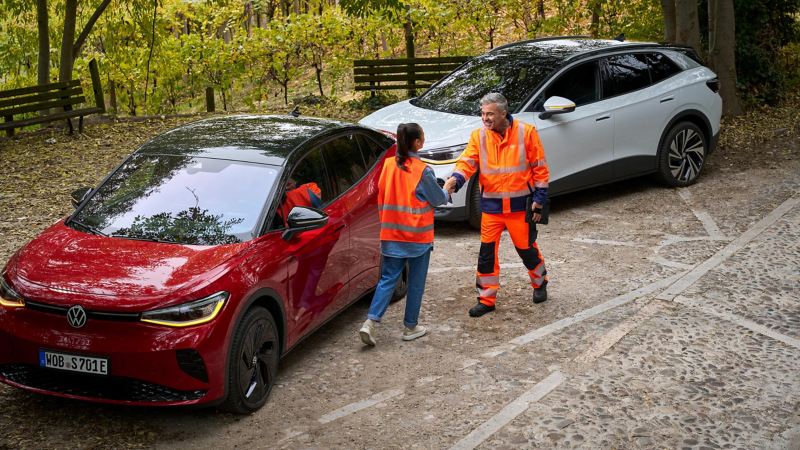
(76, 316)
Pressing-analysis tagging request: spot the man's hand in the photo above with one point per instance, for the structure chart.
(450, 185)
(537, 216)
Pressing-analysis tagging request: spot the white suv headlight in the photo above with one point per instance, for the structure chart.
(442, 155)
(187, 314)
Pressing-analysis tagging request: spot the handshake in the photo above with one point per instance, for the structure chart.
(450, 185)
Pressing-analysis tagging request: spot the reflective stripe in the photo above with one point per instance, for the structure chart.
(490, 292)
(537, 274)
(490, 280)
(541, 184)
(523, 159)
(406, 209)
(499, 170)
(409, 228)
(538, 163)
(506, 194)
(471, 162)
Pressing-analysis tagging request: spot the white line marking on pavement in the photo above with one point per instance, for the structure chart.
(738, 320)
(499, 350)
(359, 405)
(701, 269)
(703, 216)
(660, 260)
(469, 363)
(595, 310)
(521, 404)
(510, 412)
(605, 242)
(605, 342)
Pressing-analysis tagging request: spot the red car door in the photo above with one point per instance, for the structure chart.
(317, 260)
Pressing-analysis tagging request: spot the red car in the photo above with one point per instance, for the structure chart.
(193, 267)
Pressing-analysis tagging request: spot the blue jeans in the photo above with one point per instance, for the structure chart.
(391, 269)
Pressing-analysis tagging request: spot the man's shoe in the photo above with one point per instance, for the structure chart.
(367, 331)
(409, 334)
(540, 293)
(480, 309)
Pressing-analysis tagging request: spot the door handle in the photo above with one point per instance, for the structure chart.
(665, 100)
(602, 118)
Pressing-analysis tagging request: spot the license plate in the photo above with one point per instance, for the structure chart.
(73, 363)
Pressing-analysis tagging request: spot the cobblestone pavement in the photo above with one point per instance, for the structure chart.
(673, 322)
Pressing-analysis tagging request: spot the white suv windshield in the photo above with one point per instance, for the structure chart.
(513, 72)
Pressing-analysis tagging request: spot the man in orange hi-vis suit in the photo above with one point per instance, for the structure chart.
(512, 167)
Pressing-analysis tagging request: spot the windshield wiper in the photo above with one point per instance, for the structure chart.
(135, 238)
(88, 228)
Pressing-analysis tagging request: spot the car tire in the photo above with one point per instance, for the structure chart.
(474, 204)
(401, 288)
(682, 154)
(253, 363)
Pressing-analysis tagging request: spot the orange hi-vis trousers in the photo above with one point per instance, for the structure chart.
(523, 235)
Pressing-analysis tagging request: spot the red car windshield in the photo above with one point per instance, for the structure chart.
(180, 199)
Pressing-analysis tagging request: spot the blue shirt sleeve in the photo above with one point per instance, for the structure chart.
(460, 180)
(540, 195)
(316, 202)
(429, 190)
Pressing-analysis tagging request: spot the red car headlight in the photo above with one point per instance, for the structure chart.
(187, 314)
(8, 296)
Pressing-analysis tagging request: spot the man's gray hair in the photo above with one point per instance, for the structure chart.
(496, 98)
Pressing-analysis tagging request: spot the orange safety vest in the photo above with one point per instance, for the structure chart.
(299, 196)
(403, 216)
(506, 174)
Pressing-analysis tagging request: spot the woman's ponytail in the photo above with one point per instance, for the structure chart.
(407, 133)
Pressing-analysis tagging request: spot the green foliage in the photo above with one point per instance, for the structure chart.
(262, 64)
(766, 31)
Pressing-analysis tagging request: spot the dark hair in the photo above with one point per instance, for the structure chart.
(406, 134)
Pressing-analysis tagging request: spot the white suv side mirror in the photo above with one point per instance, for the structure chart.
(557, 105)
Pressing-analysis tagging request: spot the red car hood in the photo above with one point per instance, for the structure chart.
(70, 261)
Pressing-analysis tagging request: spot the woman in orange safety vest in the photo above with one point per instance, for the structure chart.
(407, 194)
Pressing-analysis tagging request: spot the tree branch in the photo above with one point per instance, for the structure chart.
(76, 48)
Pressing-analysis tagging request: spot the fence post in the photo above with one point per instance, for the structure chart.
(210, 99)
(97, 88)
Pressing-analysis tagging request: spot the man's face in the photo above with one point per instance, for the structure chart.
(493, 118)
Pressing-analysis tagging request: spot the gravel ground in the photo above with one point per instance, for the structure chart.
(713, 367)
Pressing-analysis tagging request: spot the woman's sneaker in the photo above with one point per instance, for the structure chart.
(409, 334)
(367, 331)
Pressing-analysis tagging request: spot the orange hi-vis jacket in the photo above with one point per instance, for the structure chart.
(511, 166)
(404, 217)
(299, 196)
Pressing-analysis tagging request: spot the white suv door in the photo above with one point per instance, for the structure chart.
(578, 145)
(641, 110)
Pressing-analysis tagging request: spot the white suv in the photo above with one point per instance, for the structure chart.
(605, 110)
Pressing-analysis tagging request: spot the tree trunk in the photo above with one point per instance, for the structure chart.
(318, 70)
(150, 55)
(669, 20)
(540, 9)
(687, 24)
(248, 18)
(112, 96)
(594, 28)
(722, 52)
(210, 107)
(71, 47)
(408, 31)
(67, 61)
(43, 68)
